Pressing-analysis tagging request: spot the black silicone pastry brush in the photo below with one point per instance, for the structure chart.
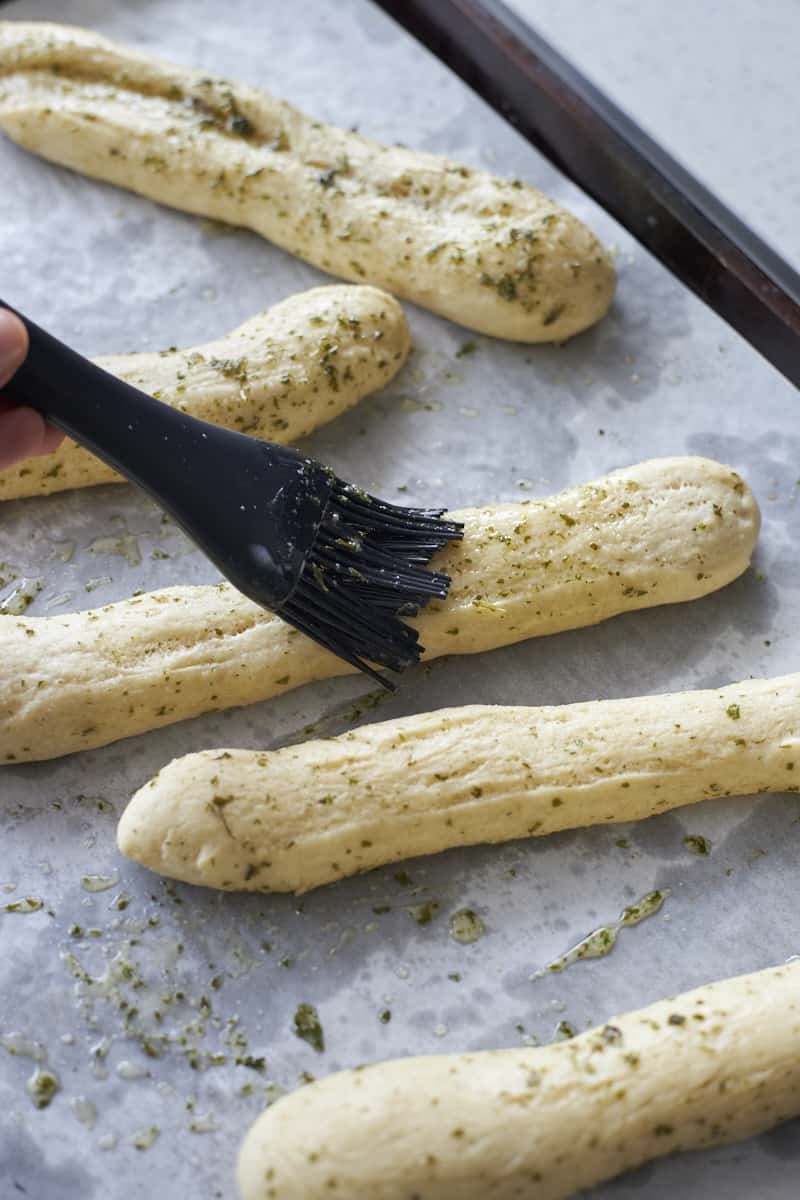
(331, 560)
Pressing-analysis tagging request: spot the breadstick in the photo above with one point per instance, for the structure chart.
(493, 254)
(664, 531)
(306, 815)
(711, 1066)
(280, 375)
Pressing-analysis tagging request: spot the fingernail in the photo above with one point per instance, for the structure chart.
(13, 343)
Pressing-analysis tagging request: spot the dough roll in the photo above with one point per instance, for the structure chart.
(293, 819)
(278, 376)
(492, 254)
(664, 531)
(709, 1067)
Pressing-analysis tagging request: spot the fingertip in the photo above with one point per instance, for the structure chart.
(24, 433)
(13, 344)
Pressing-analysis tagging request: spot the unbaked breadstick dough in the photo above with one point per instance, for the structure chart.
(709, 1067)
(278, 376)
(493, 254)
(293, 819)
(665, 531)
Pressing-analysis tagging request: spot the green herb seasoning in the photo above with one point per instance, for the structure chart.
(42, 1087)
(552, 316)
(424, 913)
(254, 1064)
(648, 906)
(597, 944)
(695, 843)
(28, 904)
(602, 941)
(308, 1027)
(466, 926)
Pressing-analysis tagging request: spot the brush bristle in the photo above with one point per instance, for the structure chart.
(365, 571)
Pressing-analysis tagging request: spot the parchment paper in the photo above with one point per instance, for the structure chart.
(215, 979)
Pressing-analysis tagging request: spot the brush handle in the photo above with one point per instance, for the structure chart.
(126, 428)
(253, 507)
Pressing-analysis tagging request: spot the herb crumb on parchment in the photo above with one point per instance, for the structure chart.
(307, 1026)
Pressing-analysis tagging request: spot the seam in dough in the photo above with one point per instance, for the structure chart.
(306, 815)
(278, 376)
(709, 1067)
(663, 532)
(493, 254)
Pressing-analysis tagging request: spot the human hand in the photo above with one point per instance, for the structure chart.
(23, 432)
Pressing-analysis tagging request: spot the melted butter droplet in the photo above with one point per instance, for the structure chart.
(602, 941)
(84, 1111)
(143, 1139)
(98, 883)
(19, 1044)
(466, 926)
(23, 595)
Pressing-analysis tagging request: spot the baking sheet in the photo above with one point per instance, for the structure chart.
(215, 979)
(692, 75)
